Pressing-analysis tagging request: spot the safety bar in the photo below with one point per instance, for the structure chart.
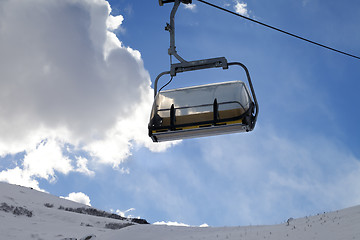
(251, 89)
(202, 105)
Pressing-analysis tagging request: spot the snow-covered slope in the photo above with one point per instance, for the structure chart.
(28, 214)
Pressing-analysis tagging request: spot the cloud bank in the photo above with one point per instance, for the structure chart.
(68, 87)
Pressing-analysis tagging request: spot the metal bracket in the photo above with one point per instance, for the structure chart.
(198, 65)
(161, 2)
(191, 66)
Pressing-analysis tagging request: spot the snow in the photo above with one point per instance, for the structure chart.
(50, 222)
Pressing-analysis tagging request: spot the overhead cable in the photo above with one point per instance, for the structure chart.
(279, 30)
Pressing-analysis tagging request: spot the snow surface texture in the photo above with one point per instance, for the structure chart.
(38, 217)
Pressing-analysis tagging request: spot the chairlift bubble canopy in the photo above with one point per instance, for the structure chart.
(205, 110)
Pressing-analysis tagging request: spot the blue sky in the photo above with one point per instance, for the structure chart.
(75, 99)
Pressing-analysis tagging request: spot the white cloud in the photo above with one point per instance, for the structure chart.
(169, 223)
(124, 170)
(66, 79)
(241, 8)
(114, 22)
(177, 224)
(47, 158)
(125, 213)
(191, 7)
(204, 225)
(20, 177)
(81, 164)
(41, 162)
(79, 197)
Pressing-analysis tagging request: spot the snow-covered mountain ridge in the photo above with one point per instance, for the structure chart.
(29, 214)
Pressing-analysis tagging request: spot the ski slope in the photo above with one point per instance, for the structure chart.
(29, 214)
